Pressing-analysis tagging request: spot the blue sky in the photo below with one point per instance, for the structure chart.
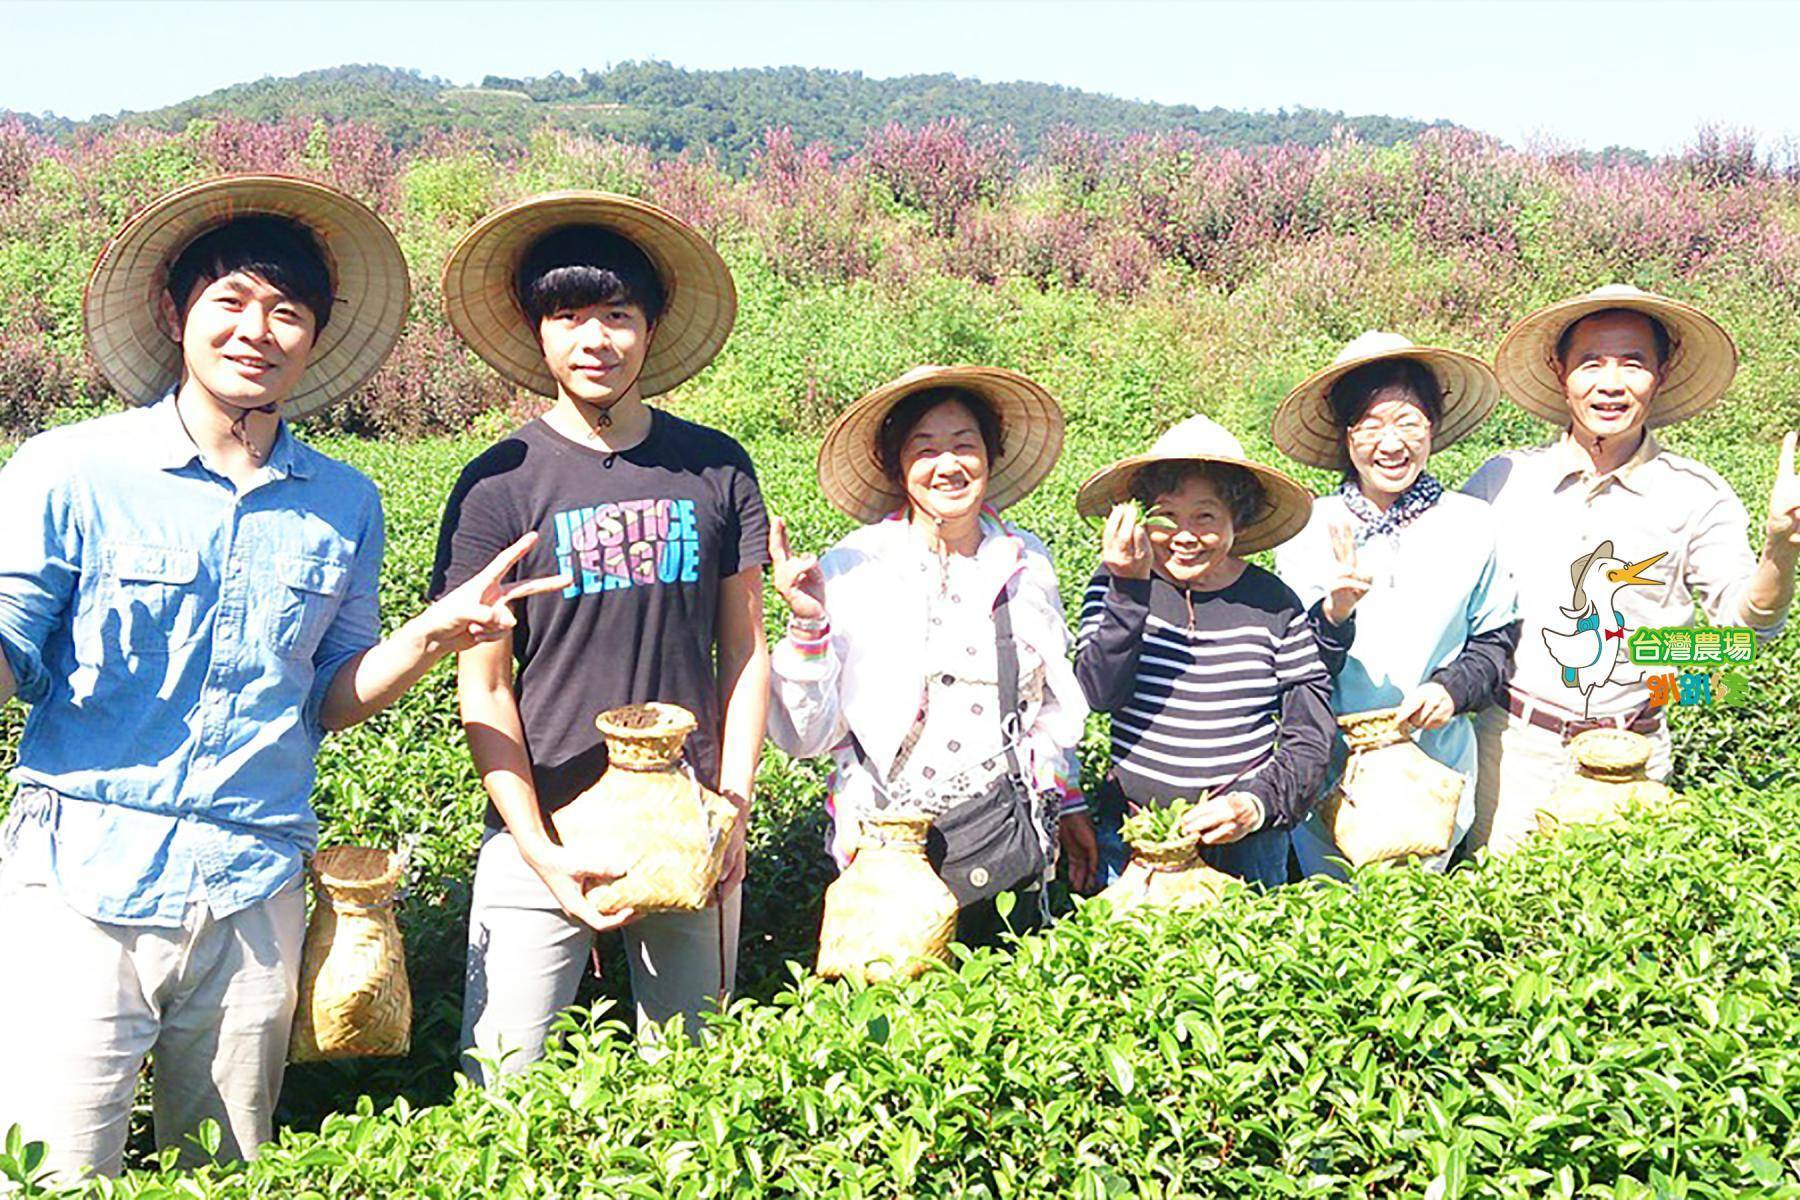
(1644, 73)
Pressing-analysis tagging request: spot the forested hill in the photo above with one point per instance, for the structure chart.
(670, 109)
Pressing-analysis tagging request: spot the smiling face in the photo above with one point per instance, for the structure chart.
(596, 352)
(1201, 536)
(1388, 446)
(1610, 371)
(245, 341)
(944, 463)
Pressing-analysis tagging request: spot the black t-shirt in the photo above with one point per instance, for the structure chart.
(647, 533)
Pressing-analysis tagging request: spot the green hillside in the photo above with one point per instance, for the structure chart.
(669, 109)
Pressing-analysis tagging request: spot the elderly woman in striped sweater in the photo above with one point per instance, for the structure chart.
(1211, 668)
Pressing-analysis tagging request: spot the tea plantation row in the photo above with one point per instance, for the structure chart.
(1609, 1014)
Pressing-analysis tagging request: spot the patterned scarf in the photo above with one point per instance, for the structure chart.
(1424, 492)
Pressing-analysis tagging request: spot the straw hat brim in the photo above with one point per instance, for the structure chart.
(1031, 426)
(371, 290)
(1305, 429)
(1702, 358)
(1287, 504)
(480, 297)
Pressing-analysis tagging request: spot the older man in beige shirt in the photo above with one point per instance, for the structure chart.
(1606, 532)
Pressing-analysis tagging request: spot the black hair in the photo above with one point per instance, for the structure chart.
(282, 253)
(1353, 395)
(905, 416)
(1657, 331)
(1241, 490)
(580, 265)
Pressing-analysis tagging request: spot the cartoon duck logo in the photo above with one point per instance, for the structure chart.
(1589, 654)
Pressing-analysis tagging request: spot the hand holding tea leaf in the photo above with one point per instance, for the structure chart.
(796, 576)
(1350, 584)
(1223, 819)
(1125, 542)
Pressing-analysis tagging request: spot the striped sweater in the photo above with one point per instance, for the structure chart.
(1204, 685)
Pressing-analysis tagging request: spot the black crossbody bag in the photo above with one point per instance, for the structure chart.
(989, 845)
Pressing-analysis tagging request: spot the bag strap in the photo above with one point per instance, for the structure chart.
(1006, 660)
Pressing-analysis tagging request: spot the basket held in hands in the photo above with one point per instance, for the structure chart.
(651, 815)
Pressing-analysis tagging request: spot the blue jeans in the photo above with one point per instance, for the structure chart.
(1261, 858)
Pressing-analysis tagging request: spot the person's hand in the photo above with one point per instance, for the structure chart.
(1222, 819)
(568, 877)
(1784, 503)
(1125, 543)
(480, 610)
(1428, 706)
(1349, 584)
(796, 576)
(1081, 849)
(736, 851)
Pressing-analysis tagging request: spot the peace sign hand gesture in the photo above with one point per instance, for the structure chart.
(796, 576)
(1125, 543)
(480, 610)
(1350, 585)
(1784, 502)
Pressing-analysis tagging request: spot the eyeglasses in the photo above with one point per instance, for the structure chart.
(1411, 429)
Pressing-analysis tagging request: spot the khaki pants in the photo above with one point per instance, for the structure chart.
(85, 1002)
(1520, 765)
(526, 957)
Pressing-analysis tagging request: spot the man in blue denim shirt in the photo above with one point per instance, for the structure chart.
(188, 601)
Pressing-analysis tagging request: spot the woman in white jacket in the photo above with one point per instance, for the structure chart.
(896, 641)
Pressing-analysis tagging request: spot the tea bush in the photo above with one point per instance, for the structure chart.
(1607, 1014)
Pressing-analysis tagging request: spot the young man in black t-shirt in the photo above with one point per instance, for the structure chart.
(659, 524)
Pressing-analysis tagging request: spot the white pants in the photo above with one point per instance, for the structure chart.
(526, 957)
(85, 1002)
(1520, 765)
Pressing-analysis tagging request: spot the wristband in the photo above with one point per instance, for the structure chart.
(809, 630)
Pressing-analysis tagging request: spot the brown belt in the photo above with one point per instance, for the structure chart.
(1646, 719)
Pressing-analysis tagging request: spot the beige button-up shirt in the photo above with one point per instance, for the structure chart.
(1552, 511)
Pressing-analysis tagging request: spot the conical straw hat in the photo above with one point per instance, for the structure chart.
(120, 309)
(482, 303)
(1306, 430)
(1702, 358)
(1031, 426)
(1286, 504)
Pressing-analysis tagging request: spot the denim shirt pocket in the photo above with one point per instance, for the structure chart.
(146, 606)
(308, 594)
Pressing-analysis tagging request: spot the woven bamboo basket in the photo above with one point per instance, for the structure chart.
(650, 815)
(1393, 800)
(354, 997)
(888, 914)
(1609, 778)
(1169, 874)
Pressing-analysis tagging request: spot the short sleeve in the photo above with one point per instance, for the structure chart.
(478, 524)
(1489, 477)
(749, 550)
(40, 556)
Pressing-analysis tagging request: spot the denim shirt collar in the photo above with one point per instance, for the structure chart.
(172, 448)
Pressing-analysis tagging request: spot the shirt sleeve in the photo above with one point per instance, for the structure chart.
(1720, 562)
(1114, 614)
(750, 548)
(1288, 782)
(357, 625)
(477, 525)
(40, 556)
(1475, 676)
